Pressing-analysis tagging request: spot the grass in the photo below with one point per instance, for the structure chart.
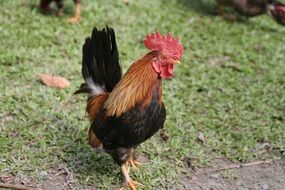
(230, 86)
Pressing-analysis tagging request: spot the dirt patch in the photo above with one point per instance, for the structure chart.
(5, 118)
(62, 179)
(263, 176)
(253, 176)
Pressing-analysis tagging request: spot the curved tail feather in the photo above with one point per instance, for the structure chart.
(101, 69)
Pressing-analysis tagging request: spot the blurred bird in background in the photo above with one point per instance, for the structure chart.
(45, 6)
(251, 8)
(124, 112)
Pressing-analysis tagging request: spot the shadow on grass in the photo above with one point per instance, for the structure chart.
(87, 161)
(203, 7)
(78, 156)
(208, 8)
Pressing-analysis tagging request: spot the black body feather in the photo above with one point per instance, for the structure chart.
(59, 4)
(119, 134)
(100, 62)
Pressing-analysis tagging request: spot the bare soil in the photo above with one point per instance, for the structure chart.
(266, 176)
(224, 175)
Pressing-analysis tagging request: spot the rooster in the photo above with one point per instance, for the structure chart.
(124, 112)
(251, 8)
(45, 6)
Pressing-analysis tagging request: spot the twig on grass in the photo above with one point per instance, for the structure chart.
(236, 166)
(18, 187)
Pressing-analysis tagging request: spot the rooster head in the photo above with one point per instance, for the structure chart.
(170, 52)
(277, 11)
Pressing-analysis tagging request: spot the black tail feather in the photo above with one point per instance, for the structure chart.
(100, 62)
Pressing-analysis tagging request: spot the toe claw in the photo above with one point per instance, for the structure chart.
(136, 183)
(133, 184)
(135, 164)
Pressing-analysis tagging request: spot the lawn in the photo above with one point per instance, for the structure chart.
(230, 87)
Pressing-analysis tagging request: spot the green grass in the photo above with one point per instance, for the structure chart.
(230, 86)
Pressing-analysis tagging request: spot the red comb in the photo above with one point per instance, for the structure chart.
(167, 42)
(280, 8)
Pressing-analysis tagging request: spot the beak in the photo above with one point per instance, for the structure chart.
(176, 62)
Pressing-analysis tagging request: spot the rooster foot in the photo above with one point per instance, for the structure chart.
(128, 182)
(76, 17)
(133, 163)
(73, 19)
(131, 184)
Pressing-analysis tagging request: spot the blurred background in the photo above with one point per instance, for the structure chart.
(226, 101)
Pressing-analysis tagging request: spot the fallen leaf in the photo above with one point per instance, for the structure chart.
(54, 81)
(201, 137)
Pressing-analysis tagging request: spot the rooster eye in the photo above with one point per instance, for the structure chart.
(163, 57)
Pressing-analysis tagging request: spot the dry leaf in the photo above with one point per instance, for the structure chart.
(54, 81)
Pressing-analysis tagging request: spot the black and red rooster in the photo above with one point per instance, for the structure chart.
(124, 112)
(45, 6)
(251, 8)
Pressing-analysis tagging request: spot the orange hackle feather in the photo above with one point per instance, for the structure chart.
(93, 140)
(135, 87)
(94, 104)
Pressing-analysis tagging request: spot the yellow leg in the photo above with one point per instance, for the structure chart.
(58, 12)
(220, 9)
(128, 182)
(134, 163)
(76, 17)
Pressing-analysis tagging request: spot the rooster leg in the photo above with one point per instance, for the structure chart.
(133, 162)
(220, 9)
(128, 182)
(59, 8)
(58, 13)
(76, 17)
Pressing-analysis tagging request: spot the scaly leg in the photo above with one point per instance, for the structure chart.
(58, 13)
(133, 162)
(128, 182)
(220, 9)
(59, 8)
(76, 17)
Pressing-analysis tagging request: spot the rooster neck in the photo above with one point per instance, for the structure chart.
(157, 88)
(135, 87)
